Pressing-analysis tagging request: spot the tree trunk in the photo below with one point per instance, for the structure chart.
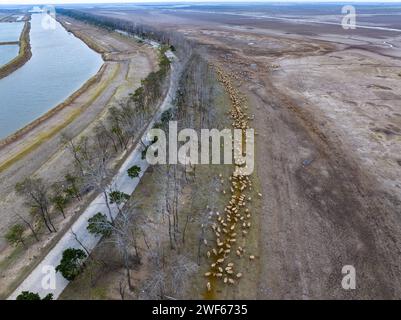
(46, 223)
(169, 233)
(106, 198)
(130, 286)
(30, 227)
(51, 223)
(35, 235)
(80, 243)
(184, 230)
(62, 212)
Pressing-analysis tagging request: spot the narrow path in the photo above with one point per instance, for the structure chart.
(121, 182)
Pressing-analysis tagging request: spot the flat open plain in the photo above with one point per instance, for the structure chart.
(327, 110)
(326, 106)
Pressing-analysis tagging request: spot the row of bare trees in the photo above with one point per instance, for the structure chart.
(184, 46)
(92, 171)
(180, 257)
(92, 155)
(40, 198)
(91, 158)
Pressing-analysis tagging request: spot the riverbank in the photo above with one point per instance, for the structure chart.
(131, 157)
(37, 151)
(24, 53)
(21, 133)
(36, 123)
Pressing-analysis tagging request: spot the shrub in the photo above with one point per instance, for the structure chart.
(133, 172)
(118, 197)
(166, 116)
(27, 295)
(99, 225)
(14, 236)
(71, 263)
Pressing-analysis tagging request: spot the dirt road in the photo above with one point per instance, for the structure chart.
(121, 182)
(330, 201)
(326, 108)
(327, 113)
(38, 151)
(30, 154)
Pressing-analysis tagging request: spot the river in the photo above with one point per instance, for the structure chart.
(10, 31)
(60, 65)
(7, 53)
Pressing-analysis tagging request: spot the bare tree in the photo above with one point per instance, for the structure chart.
(106, 134)
(74, 148)
(171, 200)
(121, 289)
(170, 281)
(124, 238)
(92, 159)
(36, 195)
(80, 242)
(72, 187)
(58, 198)
(117, 127)
(30, 226)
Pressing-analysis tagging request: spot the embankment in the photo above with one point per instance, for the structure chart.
(21, 132)
(51, 113)
(9, 43)
(24, 53)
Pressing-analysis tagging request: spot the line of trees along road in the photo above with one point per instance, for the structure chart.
(184, 46)
(92, 171)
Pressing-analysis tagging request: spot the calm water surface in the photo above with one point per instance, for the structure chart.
(60, 64)
(7, 53)
(10, 31)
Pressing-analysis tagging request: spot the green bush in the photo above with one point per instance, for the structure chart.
(99, 225)
(133, 172)
(166, 116)
(14, 236)
(27, 295)
(71, 263)
(118, 197)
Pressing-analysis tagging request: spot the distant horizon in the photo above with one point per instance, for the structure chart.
(94, 2)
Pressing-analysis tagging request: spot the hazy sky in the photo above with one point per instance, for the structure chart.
(160, 1)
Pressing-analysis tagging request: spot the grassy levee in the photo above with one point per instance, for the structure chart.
(46, 135)
(162, 73)
(24, 53)
(16, 253)
(28, 268)
(42, 137)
